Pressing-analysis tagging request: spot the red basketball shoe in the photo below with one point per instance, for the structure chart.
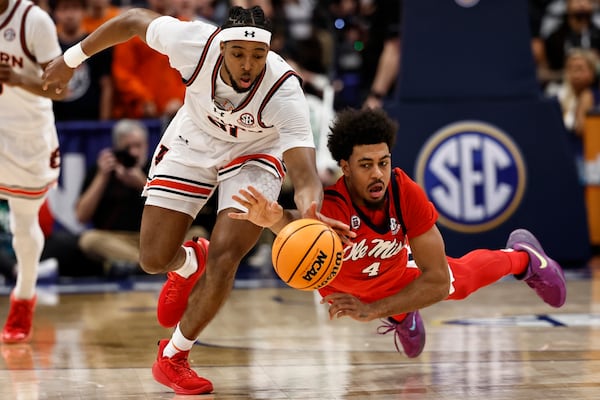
(20, 318)
(175, 372)
(173, 297)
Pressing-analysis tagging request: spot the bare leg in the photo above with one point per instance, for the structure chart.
(230, 241)
(161, 234)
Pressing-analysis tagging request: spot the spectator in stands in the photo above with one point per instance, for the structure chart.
(111, 197)
(537, 12)
(266, 5)
(185, 10)
(212, 10)
(97, 13)
(90, 92)
(146, 85)
(298, 19)
(112, 204)
(381, 54)
(577, 30)
(576, 95)
(348, 31)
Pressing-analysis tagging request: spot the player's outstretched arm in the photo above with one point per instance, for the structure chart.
(270, 214)
(260, 210)
(429, 288)
(123, 27)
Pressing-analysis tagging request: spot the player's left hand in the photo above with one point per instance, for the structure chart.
(346, 305)
(57, 73)
(342, 229)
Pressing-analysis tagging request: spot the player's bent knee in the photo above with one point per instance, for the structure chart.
(154, 262)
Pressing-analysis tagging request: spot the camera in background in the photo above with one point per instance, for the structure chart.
(125, 158)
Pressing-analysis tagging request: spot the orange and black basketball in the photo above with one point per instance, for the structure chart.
(307, 254)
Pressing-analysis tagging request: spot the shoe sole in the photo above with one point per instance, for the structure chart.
(12, 341)
(161, 378)
(526, 237)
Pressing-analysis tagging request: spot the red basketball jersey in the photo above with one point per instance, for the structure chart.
(376, 263)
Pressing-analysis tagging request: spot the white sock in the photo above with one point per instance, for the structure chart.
(190, 265)
(177, 343)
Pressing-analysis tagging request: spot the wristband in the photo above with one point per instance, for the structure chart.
(74, 56)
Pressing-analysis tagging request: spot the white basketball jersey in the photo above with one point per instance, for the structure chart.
(27, 38)
(237, 123)
(275, 106)
(29, 155)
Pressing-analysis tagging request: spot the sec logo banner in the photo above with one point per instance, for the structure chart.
(474, 174)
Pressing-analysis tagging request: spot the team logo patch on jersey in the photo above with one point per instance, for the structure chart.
(246, 119)
(394, 226)
(474, 174)
(10, 34)
(354, 222)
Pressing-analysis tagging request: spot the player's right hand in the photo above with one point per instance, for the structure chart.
(57, 73)
(261, 211)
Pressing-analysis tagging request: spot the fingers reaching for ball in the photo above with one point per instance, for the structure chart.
(263, 212)
(346, 305)
(260, 210)
(343, 230)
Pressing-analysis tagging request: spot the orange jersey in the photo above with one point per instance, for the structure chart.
(376, 264)
(89, 23)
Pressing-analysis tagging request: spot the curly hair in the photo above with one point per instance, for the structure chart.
(357, 127)
(254, 16)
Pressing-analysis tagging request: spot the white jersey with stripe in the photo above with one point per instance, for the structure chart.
(274, 110)
(29, 157)
(27, 39)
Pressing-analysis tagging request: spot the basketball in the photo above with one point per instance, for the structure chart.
(307, 254)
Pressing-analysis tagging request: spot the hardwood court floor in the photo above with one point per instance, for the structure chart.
(277, 343)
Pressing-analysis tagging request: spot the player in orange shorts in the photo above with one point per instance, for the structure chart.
(382, 276)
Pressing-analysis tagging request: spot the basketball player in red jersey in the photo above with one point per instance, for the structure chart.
(382, 277)
(243, 116)
(29, 155)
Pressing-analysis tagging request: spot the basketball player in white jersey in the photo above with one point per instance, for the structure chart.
(244, 113)
(29, 156)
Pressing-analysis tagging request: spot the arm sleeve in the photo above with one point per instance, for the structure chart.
(41, 37)
(288, 111)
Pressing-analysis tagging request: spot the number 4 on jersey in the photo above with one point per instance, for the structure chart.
(372, 270)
